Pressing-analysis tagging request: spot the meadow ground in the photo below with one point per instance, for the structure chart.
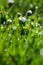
(21, 32)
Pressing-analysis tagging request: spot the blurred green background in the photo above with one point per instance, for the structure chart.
(19, 44)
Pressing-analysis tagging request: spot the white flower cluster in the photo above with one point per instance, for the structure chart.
(22, 19)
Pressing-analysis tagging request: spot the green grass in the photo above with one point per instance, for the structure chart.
(21, 45)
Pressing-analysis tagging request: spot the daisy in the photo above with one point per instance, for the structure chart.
(22, 19)
(9, 20)
(29, 12)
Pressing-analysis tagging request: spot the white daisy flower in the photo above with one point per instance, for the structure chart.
(14, 27)
(22, 19)
(10, 1)
(9, 20)
(41, 52)
(29, 11)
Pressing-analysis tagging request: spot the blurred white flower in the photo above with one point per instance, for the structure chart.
(41, 33)
(10, 40)
(7, 28)
(41, 52)
(40, 27)
(18, 39)
(9, 34)
(14, 27)
(29, 11)
(22, 19)
(32, 23)
(31, 5)
(37, 24)
(4, 22)
(36, 31)
(9, 21)
(1, 26)
(10, 1)
(5, 50)
(36, 7)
